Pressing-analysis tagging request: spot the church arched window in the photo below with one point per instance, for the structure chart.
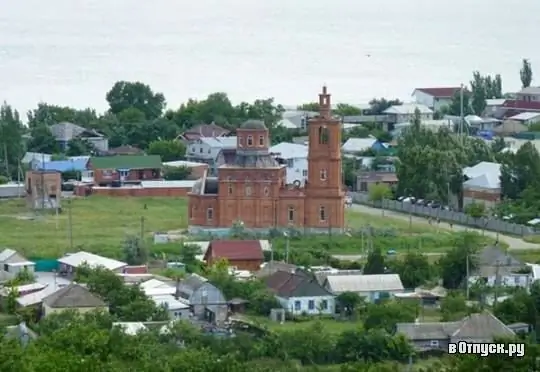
(323, 135)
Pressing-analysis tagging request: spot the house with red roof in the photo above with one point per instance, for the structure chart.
(240, 254)
(435, 98)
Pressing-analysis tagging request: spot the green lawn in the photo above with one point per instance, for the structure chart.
(100, 224)
(7, 320)
(334, 326)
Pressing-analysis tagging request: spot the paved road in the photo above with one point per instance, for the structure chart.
(513, 242)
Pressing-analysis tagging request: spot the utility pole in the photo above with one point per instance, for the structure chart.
(461, 114)
(142, 229)
(467, 276)
(70, 221)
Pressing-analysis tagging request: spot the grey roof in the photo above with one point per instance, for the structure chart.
(525, 116)
(493, 260)
(271, 267)
(219, 142)
(67, 131)
(530, 90)
(484, 175)
(358, 144)
(6, 254)
(480, 326)
(253, 124)
(287, 150)
(408, 109)
(364, 283)
(190, 284)
(73, 296)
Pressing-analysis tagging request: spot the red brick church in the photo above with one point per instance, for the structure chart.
(250, 189)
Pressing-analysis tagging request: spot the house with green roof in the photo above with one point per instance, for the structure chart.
(107, 170)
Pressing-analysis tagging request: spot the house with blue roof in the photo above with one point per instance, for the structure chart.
(77, 164)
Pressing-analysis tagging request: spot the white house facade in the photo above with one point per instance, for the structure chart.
(309, 305)
(295, 157)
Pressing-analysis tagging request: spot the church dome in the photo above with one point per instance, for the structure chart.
(253, 124)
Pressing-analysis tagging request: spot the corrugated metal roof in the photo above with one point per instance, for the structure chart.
(408, 109)
(525, 116)
(6, 253)
(93, 260)
(364, 283)
(287, 150)
(485, 181)
(484, 167)
(168, 184)
(182, 163)
(220, 142)
(358, 144)
(64, 165)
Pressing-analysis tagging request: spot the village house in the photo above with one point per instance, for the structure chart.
(480, 327)
(12, 263)
(483, 184)
(355, 145)
(206, 301)
(495, 267)
(202, 131)
(405, 113)
(73, 297)
(252, 189)
(299, 293)
(43, 189)
(526, 100)
(526, 118)
(295, 157)
(365, 180)
(65, 132)
(211, 150)
(240, 254)
(435, 98)
(70, 262)
(197, 170)
(107, 170)
(371, 287)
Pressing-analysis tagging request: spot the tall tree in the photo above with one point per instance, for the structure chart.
(375, 263)
(42, 140)
(11, 144)
(478, 88)
(526, 74)
(125, 94)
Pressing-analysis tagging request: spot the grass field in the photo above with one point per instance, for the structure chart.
(100, 224)
(333, 326)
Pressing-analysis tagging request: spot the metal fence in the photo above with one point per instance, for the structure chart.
(459, 218)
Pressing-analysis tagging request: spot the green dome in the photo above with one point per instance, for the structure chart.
(253, 124)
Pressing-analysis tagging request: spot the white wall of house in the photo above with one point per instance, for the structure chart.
(309, 305)
(403, 118)
(433, 103)
(514, 280)
(100, 143)
(177, 314)
(201, 150)
(297, 169)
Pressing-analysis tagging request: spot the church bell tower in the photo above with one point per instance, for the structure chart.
(325, 199)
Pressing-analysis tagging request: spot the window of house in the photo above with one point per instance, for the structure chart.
(324, 174)
(304, 173)
(261, 140)
(266, 191)
(107, 173)
(324, 304)
(311, 305)
(6, 267)
(240, 141)
(209, 151)
(192, 149)
(290, 215)
(290, 163)
(297, 305)
(124, 173)
(248, 190)
(434, 343)
(210, 214)
(323, 135)
(322, 214)
(200, 150)
(250, 140)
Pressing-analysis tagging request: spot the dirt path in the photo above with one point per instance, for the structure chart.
(514, 243)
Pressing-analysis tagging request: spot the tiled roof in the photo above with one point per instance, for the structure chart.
(236, 249)
(287, 284)
(73, 296)
(440, 92)
(126, 162)
(522, 105)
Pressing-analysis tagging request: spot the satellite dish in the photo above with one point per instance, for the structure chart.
(297, 183)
